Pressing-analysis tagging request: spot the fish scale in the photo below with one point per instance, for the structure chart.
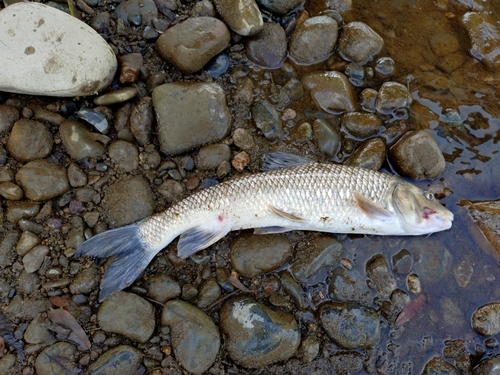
(306, 196)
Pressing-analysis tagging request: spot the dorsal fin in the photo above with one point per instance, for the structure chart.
(281, 160)
(370, 208)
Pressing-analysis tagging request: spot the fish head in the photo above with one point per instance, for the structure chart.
(419, 211)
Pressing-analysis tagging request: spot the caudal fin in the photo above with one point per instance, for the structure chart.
(132, 256)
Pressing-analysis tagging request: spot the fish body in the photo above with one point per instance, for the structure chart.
(307, 196)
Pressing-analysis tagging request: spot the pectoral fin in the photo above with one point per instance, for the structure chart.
(370, 208)
(198, 239)
(286, 215)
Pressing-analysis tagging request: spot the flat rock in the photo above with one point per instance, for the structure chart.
(242, 16)
(42, 180)
(48, 52)
(484, 33)
(190, 115)
(29, 140)
(359, 43)
(486, 319)
(268, 48)
(123, 360)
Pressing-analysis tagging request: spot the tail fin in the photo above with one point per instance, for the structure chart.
(132, 256)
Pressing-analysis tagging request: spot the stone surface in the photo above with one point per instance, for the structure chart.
(80, 142)
(327, 136)
(190, 44)
(361, 125)
(350, 325)
(128, 199)
(123, 360)
(313, 40)
(331, 91)
(162, 288)
(256, 335)
(137, 11)
(127, 314)
(438, 365)
(268, 48)
(370, 155)
(242, 16)
(484, 33)
(417, 155)
(359, 43)
(487, 217)
(29, 140)
(42, 180)
(268, 120)
(190, 115)
(195, 338)
(280, 7)
(486, 319)
(253, 254)
(66, 358)
(41, 59)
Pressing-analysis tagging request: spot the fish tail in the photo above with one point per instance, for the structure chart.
(132, 255)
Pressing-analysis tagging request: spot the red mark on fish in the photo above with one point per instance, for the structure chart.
(428, 212)
(410, 310)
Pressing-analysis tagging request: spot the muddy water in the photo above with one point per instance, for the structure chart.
(458, 269)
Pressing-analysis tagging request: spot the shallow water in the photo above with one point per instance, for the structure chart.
(472, 170)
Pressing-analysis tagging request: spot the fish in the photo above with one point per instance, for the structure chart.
(290, 193)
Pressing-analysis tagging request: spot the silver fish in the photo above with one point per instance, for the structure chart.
(303, 195)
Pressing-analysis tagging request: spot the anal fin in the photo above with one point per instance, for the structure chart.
(197, 239)
(286, 215)
(370, 208)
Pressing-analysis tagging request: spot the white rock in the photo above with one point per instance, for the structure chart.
(44, 51)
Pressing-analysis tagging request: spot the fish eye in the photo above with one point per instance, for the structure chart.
(429, 195)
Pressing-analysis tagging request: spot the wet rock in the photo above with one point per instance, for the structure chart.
(402, 262)
(361, 125)
(269, 47)
(85, 281)
(240, 161)
(8, 116)
(350, 325)
(80, 142)
(327, 137)
(125, 155)
(38, 332)
(128, 199)
(11, 191)
(486, 319)
(359, 43)
(324, 251)
(191, 44)
(195, 338)
(41, 180)
(253, 254)
(370, 155)
(210, 292)
(331, 91)
(268, 120)
(291, 287)
(348, 285)
(123, 360)
(43, 60)
(368, 100)
(162, 288)
(486, 215)
(256, 335)
(29, 140)
(432, 265)
(190, 115)
(377, 269)
(137, 12)
(141, 121)
(66, 359)
(313, 40)
(413, 284)
(280, 7)
(242, 16)
(76, 176)
(385, 66)
(118, 96)
(488, 366)
(484, 33)
(391, 96)
(417, 155)
(33, 260)
(127, 314)
(443, 44)
(210, 157)
(438, 365)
